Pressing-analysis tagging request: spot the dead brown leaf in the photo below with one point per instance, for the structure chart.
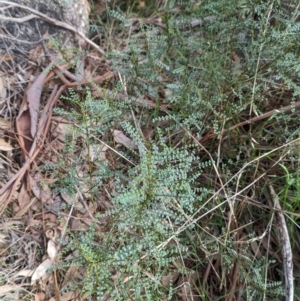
(66, 297)
(169, 279)
(27, 120)
(28, 75)
(5, 146)
(78, 225)
(255, 248)
(97, 152)
(24, 273)
(23, 124)
(39, 191)
(61, 130)
(52, 250)
(7, 288)
(36, 53)
(122, 139)
(25, 208)
(25, 201)
(33, 96)
(70, 275)
(49, 217)
(73, 200)
(4, 124)
(41, 270)
(39, 296)
(23, 198)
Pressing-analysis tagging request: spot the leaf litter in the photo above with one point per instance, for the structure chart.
(40, 136)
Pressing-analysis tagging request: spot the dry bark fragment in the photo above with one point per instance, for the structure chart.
(287, 254)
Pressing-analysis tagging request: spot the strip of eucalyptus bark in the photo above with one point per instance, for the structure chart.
(286, 247)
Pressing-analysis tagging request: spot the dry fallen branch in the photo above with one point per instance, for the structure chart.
(99, 79)
(286, 248)
(266, 115)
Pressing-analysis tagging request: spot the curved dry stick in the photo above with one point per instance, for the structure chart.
(52, 73)
(99, 79)
(18, 20)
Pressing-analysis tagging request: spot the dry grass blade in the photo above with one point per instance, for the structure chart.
(286, 248)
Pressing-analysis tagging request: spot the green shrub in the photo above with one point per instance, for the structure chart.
(213, 64)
